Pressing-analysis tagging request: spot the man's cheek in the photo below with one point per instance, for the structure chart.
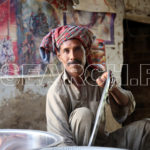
(84, 59)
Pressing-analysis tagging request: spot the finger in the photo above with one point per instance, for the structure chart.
(104, 76)
(100, 82)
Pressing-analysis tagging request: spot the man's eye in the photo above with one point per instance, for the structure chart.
(66, 51)
(78, 48)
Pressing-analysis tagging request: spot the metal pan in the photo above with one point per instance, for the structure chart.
(23, 139)
(82, 148)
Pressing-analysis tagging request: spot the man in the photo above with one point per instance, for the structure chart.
(73, 98)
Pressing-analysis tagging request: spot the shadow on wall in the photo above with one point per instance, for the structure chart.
(23, 112)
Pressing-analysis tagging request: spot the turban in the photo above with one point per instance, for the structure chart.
(53, 40)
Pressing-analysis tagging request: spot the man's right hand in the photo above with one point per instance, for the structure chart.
(101, 80)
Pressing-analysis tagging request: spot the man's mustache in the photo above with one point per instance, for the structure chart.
(74, 62)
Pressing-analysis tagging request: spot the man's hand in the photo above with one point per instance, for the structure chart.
(120, 98)
(102, 79)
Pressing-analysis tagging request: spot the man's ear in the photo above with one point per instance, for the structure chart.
(87, 51)
(59, 56)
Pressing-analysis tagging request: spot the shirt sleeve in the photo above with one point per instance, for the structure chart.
(57, 106)
(121, 113)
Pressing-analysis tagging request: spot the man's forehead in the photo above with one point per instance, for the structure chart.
(71, 43)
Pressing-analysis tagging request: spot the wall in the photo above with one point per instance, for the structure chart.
(138, 10)
(114, 53)
(22, 102)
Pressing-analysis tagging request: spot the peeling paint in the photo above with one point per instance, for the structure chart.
(20, 84)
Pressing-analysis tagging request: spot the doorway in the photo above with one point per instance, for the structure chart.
(136, 69)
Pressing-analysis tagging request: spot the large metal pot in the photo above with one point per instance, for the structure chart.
(82, 148)
(22, 139)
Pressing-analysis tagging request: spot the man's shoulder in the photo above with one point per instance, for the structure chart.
(57, 83)
(57, 86)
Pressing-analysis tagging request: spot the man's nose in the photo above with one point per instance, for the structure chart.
(72, 55)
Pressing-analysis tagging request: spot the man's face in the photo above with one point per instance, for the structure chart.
(72, 55)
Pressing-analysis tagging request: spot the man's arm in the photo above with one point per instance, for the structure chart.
(57, 116)
(121, 101)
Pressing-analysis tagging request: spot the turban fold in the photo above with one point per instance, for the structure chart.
(53, 40)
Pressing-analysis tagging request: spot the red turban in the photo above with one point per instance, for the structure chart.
(53, 40)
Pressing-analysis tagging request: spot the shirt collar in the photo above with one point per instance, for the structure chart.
(66, 78)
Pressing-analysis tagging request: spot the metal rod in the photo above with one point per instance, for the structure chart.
(100, 111)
